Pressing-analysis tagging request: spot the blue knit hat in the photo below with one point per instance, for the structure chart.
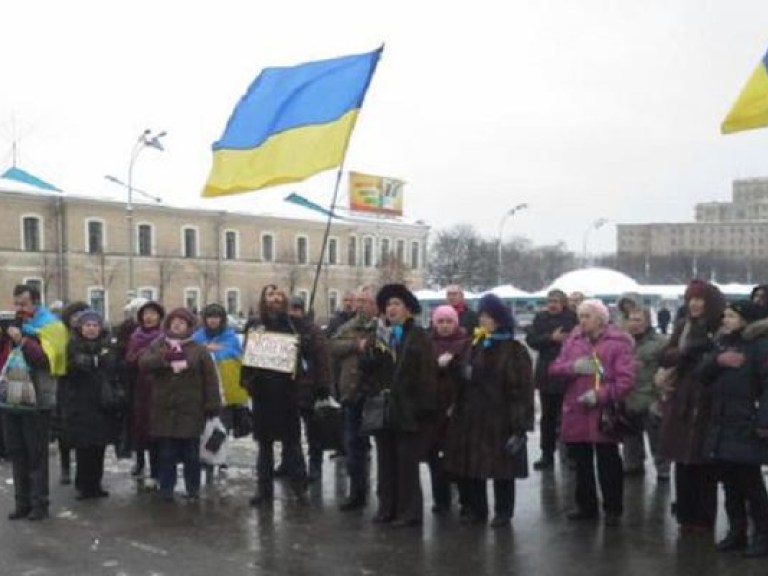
(495, 308)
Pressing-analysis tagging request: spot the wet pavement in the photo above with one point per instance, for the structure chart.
(133, 533)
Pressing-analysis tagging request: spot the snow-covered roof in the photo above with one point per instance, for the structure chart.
(508, 291)
(593, 282)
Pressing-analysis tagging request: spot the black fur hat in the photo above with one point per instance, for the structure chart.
(400, 292)
(496, 309)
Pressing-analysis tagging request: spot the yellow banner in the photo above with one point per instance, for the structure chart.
(368, 193)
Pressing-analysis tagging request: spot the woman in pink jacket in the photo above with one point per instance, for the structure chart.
(597, 364)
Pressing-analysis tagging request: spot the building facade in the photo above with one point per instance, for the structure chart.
(728, 229)
(77, 248)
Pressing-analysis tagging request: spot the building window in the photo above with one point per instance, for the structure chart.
(94, 240)
(401, 251)
(31, 234)
(333, 301)
(97, 299)
(352, 251)
(145, 240)
(302, 250)
(267, 248)
(192, 299)
(415, 255)
(368, 252)
(230, 245)
(190, 242)
(384, 246)
(333, 251)
(233, 301)
(147, 293)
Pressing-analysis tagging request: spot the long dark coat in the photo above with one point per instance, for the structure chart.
(739, 398)
(90, 363)
(140, 390)
(409, 375)
(180, 401)
(686, 410)
(275, 395)
(494, 404)
(539, 338)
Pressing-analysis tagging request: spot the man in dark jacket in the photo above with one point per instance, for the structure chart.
(467, 317)
(546, 335)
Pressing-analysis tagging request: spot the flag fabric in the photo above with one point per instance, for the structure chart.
(292, 122)
(227, 359)
(53, 336)
(751, 108)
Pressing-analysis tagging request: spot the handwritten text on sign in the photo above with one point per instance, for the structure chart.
(271, 351)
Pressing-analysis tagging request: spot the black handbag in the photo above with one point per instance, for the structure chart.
(242, 421)
(329, 426)
(616, 421)
(376, 413)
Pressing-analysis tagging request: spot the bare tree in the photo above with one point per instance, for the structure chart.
(48, 272)
(392, 270)
(166, 268)
(208, 272)
(103, 273)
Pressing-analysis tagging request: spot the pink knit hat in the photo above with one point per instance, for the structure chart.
(445, 311)
(596, 306)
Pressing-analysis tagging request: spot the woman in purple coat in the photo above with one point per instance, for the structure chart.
(598, 366)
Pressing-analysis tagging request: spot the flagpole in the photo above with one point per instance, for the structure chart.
(319, 267)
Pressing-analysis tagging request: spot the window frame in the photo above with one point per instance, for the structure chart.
(40, 231)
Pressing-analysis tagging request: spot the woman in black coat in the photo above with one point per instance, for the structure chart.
(89, 424)
(738, 426)
(399, 359)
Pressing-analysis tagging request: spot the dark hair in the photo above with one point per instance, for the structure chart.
(263, 300)
(34, 293)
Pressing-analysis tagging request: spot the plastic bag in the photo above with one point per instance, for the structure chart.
(214, 443)
(16, 386)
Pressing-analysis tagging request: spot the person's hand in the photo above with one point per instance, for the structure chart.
(213, 347)
(731, 359)
(14, 334)
(558, 335)
(361, 343)
(444, 359)
(584, 365)
(589, 398)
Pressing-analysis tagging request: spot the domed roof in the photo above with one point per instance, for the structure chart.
(594, 282)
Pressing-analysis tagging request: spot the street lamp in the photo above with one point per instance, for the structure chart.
(597, 224)
(146, 140)
(507, 214)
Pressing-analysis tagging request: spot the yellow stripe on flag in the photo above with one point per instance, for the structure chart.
(751, 108)
(290, 156)
(53, 338)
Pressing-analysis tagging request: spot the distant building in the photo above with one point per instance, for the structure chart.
(76, 248)
(732, 229)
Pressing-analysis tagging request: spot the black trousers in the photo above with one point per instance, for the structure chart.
(90, 469)
(696, 494)
(551, 411)
(503, 497)
(744, 490)
(398, 486)
(440, 479)
(313, 441)
(292, 460)
(610, 474)
(26, 437)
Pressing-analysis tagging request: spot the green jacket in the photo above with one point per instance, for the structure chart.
(648, 349)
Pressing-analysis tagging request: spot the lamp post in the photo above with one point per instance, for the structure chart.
(146, 140)
(507, 214)
(597, 224)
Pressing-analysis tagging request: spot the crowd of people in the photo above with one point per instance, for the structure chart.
(457, 395)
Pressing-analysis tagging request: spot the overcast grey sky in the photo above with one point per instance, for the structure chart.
(583, 109)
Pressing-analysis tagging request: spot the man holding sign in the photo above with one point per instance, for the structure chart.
(273, 363)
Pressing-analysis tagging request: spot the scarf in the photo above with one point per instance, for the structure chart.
(455, 343)
(143, 337)
(177, 357)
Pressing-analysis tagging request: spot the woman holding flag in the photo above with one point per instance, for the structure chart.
(597, 363)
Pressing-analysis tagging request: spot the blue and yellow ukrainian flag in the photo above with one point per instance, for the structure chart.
(751, 108)
(292, 123)
(53, 336)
